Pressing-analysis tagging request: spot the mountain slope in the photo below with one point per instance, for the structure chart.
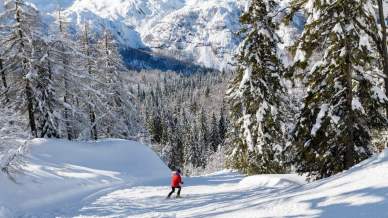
(198, 31)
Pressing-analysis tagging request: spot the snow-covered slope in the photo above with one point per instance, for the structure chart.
(63, 173)
(199, 31)
(204, 31)
(59, 171)
(361, 192)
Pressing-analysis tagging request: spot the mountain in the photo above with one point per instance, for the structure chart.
(202, 32)
(178, 35)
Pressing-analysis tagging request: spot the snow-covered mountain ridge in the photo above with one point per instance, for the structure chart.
(198, 31)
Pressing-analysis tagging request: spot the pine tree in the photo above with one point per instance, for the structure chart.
(333, 130)
(63, 53)
(21, 31)
(203, 138)
(87, 48)
(47, 105)
(117, 117)
(256, 94)
(222, 125)
(215, 139)
(63, 86)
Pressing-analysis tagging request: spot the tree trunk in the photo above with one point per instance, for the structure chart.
(93, 130)
(92, 114)
(66, 111)
(66, 98)
(30, 108)
(349, 144)
(3, 79)
(28, 89)
(384, 46)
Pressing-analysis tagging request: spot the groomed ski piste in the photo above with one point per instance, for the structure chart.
(118, 178)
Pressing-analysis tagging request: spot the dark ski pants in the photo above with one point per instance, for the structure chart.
(173, 190)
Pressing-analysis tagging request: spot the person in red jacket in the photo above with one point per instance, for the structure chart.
(176, 182)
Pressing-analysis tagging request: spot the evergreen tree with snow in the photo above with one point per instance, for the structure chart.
(117, 119)
(215, 139)
(62, 54)
(48, 107)
(20, 30)
(256, 94)
(222, 124)
(93, 102)
(203, 137)
(343, 102)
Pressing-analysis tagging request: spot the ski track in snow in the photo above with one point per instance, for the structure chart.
(203, 197)
(231, 195)
(110, 179)
(217, 195)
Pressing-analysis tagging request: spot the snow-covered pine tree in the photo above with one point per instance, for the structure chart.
(118, 119)
(333, 131)
(192, 152)
(256, 94)
(62, 53)
(203, 138)
(215, 139)
(222, 124)
(173, 149)
(47, 106)
(381, 39)
(92, 102)
(21, 27)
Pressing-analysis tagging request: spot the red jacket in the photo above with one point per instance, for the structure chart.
(176, 180)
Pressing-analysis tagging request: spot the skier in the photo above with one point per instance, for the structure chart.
(176, 182)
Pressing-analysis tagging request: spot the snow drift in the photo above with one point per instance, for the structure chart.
(58, 170)
(361, 192)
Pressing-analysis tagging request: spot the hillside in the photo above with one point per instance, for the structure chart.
(57, 171)
(111, 179)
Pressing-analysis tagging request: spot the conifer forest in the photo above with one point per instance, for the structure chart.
(312, 101)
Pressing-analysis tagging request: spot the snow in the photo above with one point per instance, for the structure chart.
(356, 105)
(272, 181)
(364, 42)
(318, 122)
(199, 31)
(104, 179)
(379, 94)
(300, 56)
(56, 170)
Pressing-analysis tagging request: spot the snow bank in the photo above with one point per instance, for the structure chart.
(58, 170)
(272, 181)
(362, 191)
